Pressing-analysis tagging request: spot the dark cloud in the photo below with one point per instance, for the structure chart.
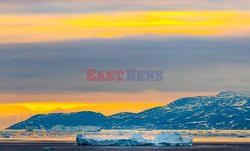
(189, 64)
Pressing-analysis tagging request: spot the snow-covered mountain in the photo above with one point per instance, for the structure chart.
(226, 110)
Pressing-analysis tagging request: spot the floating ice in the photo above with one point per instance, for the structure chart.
(162, 139)
(172, 139)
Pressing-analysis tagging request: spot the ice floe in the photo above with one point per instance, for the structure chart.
(137, 139)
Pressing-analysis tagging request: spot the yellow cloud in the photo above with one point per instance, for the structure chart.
(65, 107)
(104, 102)
(10, 109)
(54, 27)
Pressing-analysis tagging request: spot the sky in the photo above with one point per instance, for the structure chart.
(46, 46)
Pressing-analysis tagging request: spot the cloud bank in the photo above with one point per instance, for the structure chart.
(189, 64)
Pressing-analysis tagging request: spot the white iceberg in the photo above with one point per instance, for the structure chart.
(137, 139)
(172, 139)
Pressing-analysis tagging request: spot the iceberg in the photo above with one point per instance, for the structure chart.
(137, 139)
(172, 139)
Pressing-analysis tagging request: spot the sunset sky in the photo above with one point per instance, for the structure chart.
(45, 47)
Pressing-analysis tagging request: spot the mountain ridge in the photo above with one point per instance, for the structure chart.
(226, 110)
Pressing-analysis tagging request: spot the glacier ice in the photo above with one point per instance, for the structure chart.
(137, 139)
(172, 139)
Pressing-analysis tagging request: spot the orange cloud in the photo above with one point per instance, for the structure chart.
(54, 27)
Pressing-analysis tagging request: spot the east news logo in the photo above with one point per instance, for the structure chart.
(127, 75)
